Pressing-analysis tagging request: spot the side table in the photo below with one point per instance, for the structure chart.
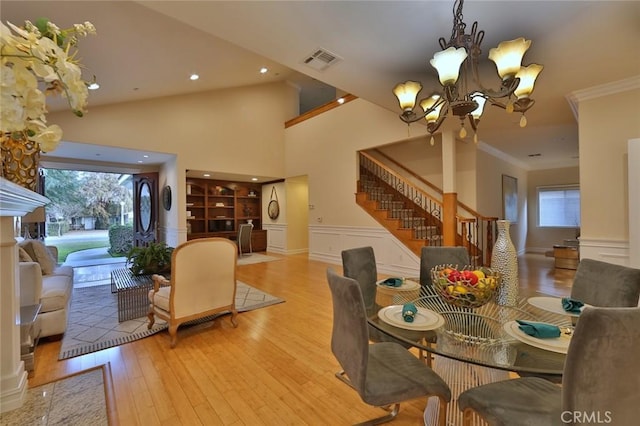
(29, 334)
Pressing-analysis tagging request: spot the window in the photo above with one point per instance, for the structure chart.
(559, 206)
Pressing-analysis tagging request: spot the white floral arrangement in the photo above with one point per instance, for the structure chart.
(38, 60)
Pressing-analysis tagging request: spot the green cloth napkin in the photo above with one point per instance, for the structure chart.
(409, 312)
(540, 330)
(393, 282)
(572, 305)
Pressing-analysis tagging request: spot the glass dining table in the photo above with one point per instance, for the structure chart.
(474, 346)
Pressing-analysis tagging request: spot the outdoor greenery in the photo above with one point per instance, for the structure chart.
(153, 259)
(120, 239)
(64, 248)
(76, 194)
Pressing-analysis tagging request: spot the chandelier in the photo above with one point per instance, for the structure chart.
(458, 66)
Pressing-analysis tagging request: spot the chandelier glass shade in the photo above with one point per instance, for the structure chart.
(458, 67)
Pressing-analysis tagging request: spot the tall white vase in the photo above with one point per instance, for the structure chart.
(505, 261)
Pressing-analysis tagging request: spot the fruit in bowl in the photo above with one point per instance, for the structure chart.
(466, 287)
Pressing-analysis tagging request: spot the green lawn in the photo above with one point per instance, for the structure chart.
(65, 248)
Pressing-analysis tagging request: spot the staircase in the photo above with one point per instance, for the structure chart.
(414, 217)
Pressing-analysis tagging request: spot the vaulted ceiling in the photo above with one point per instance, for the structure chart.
(148, 49)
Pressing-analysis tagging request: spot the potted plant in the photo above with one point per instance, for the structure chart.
(153, 259)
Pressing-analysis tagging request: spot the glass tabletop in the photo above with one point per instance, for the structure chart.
(483, 336)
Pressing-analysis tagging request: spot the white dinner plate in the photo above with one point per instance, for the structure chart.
(425, 319)
(551, 304)
(406, 285)
(554, 344)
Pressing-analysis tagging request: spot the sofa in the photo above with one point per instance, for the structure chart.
(43, 281)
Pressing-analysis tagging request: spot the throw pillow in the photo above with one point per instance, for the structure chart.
(23, 256)
(42, 255)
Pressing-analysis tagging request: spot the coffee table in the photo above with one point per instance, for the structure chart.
(132, 293)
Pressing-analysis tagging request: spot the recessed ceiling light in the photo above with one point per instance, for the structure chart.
(145, 156)
(340, 101)
(93, 86)
(254, 179)
(206, 175)
(264, 70)
(139, 161)
(194, 77)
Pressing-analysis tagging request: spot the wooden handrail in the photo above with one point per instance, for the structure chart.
(319, 110)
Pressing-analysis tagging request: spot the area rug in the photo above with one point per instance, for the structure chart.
(79, 399)
(93, 320)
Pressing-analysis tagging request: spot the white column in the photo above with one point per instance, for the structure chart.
(13, 377)
(14, 201)
(634, 202)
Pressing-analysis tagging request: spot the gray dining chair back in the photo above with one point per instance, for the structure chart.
(431, 256)
(606, 284)
(384, 374)
(244, 239)
(600, 383)
(360, 264)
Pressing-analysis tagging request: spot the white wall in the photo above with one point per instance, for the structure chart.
(233, 130)
(606, 123)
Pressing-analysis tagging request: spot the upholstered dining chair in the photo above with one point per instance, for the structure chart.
(431, 256)
(203, 283)
(600, 379)
(360, 264)
(384, 374)
(605, 284)
(244, 238)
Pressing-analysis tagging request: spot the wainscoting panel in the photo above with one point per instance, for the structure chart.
(276, 238)
(610, 251)
(393, 258)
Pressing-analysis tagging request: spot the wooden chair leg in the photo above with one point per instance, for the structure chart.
(173, 333)
(152, 320)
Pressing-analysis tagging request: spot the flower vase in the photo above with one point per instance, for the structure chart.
(505, 261)
(20, 158)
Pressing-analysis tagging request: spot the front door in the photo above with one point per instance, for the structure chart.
(145, 209)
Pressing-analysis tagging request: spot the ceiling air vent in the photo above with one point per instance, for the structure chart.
(321, 59)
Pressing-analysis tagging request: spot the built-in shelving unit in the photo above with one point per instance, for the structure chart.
(217, 208)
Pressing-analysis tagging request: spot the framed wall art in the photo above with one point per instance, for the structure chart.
(510, 198)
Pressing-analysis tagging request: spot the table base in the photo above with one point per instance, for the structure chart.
(460, 376)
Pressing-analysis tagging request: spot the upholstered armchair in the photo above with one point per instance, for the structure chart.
(203, 283)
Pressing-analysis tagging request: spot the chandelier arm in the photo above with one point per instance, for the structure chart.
(521, 105)
(411, 117)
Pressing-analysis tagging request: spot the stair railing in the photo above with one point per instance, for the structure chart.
(474, 231)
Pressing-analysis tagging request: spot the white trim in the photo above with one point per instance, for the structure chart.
(392, 257)
(503, 156)
(612, 251)
(18, 201)
(577, 96)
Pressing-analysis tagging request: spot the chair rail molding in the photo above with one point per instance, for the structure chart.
(392, 257)
(611, 251)
(14, 201)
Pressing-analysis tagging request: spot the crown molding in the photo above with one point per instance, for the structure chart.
(501, 155)
(577, 96)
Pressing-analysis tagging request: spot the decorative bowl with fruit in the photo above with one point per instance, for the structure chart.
(466, 287)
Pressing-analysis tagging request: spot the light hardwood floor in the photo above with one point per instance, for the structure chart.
(276, 368)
